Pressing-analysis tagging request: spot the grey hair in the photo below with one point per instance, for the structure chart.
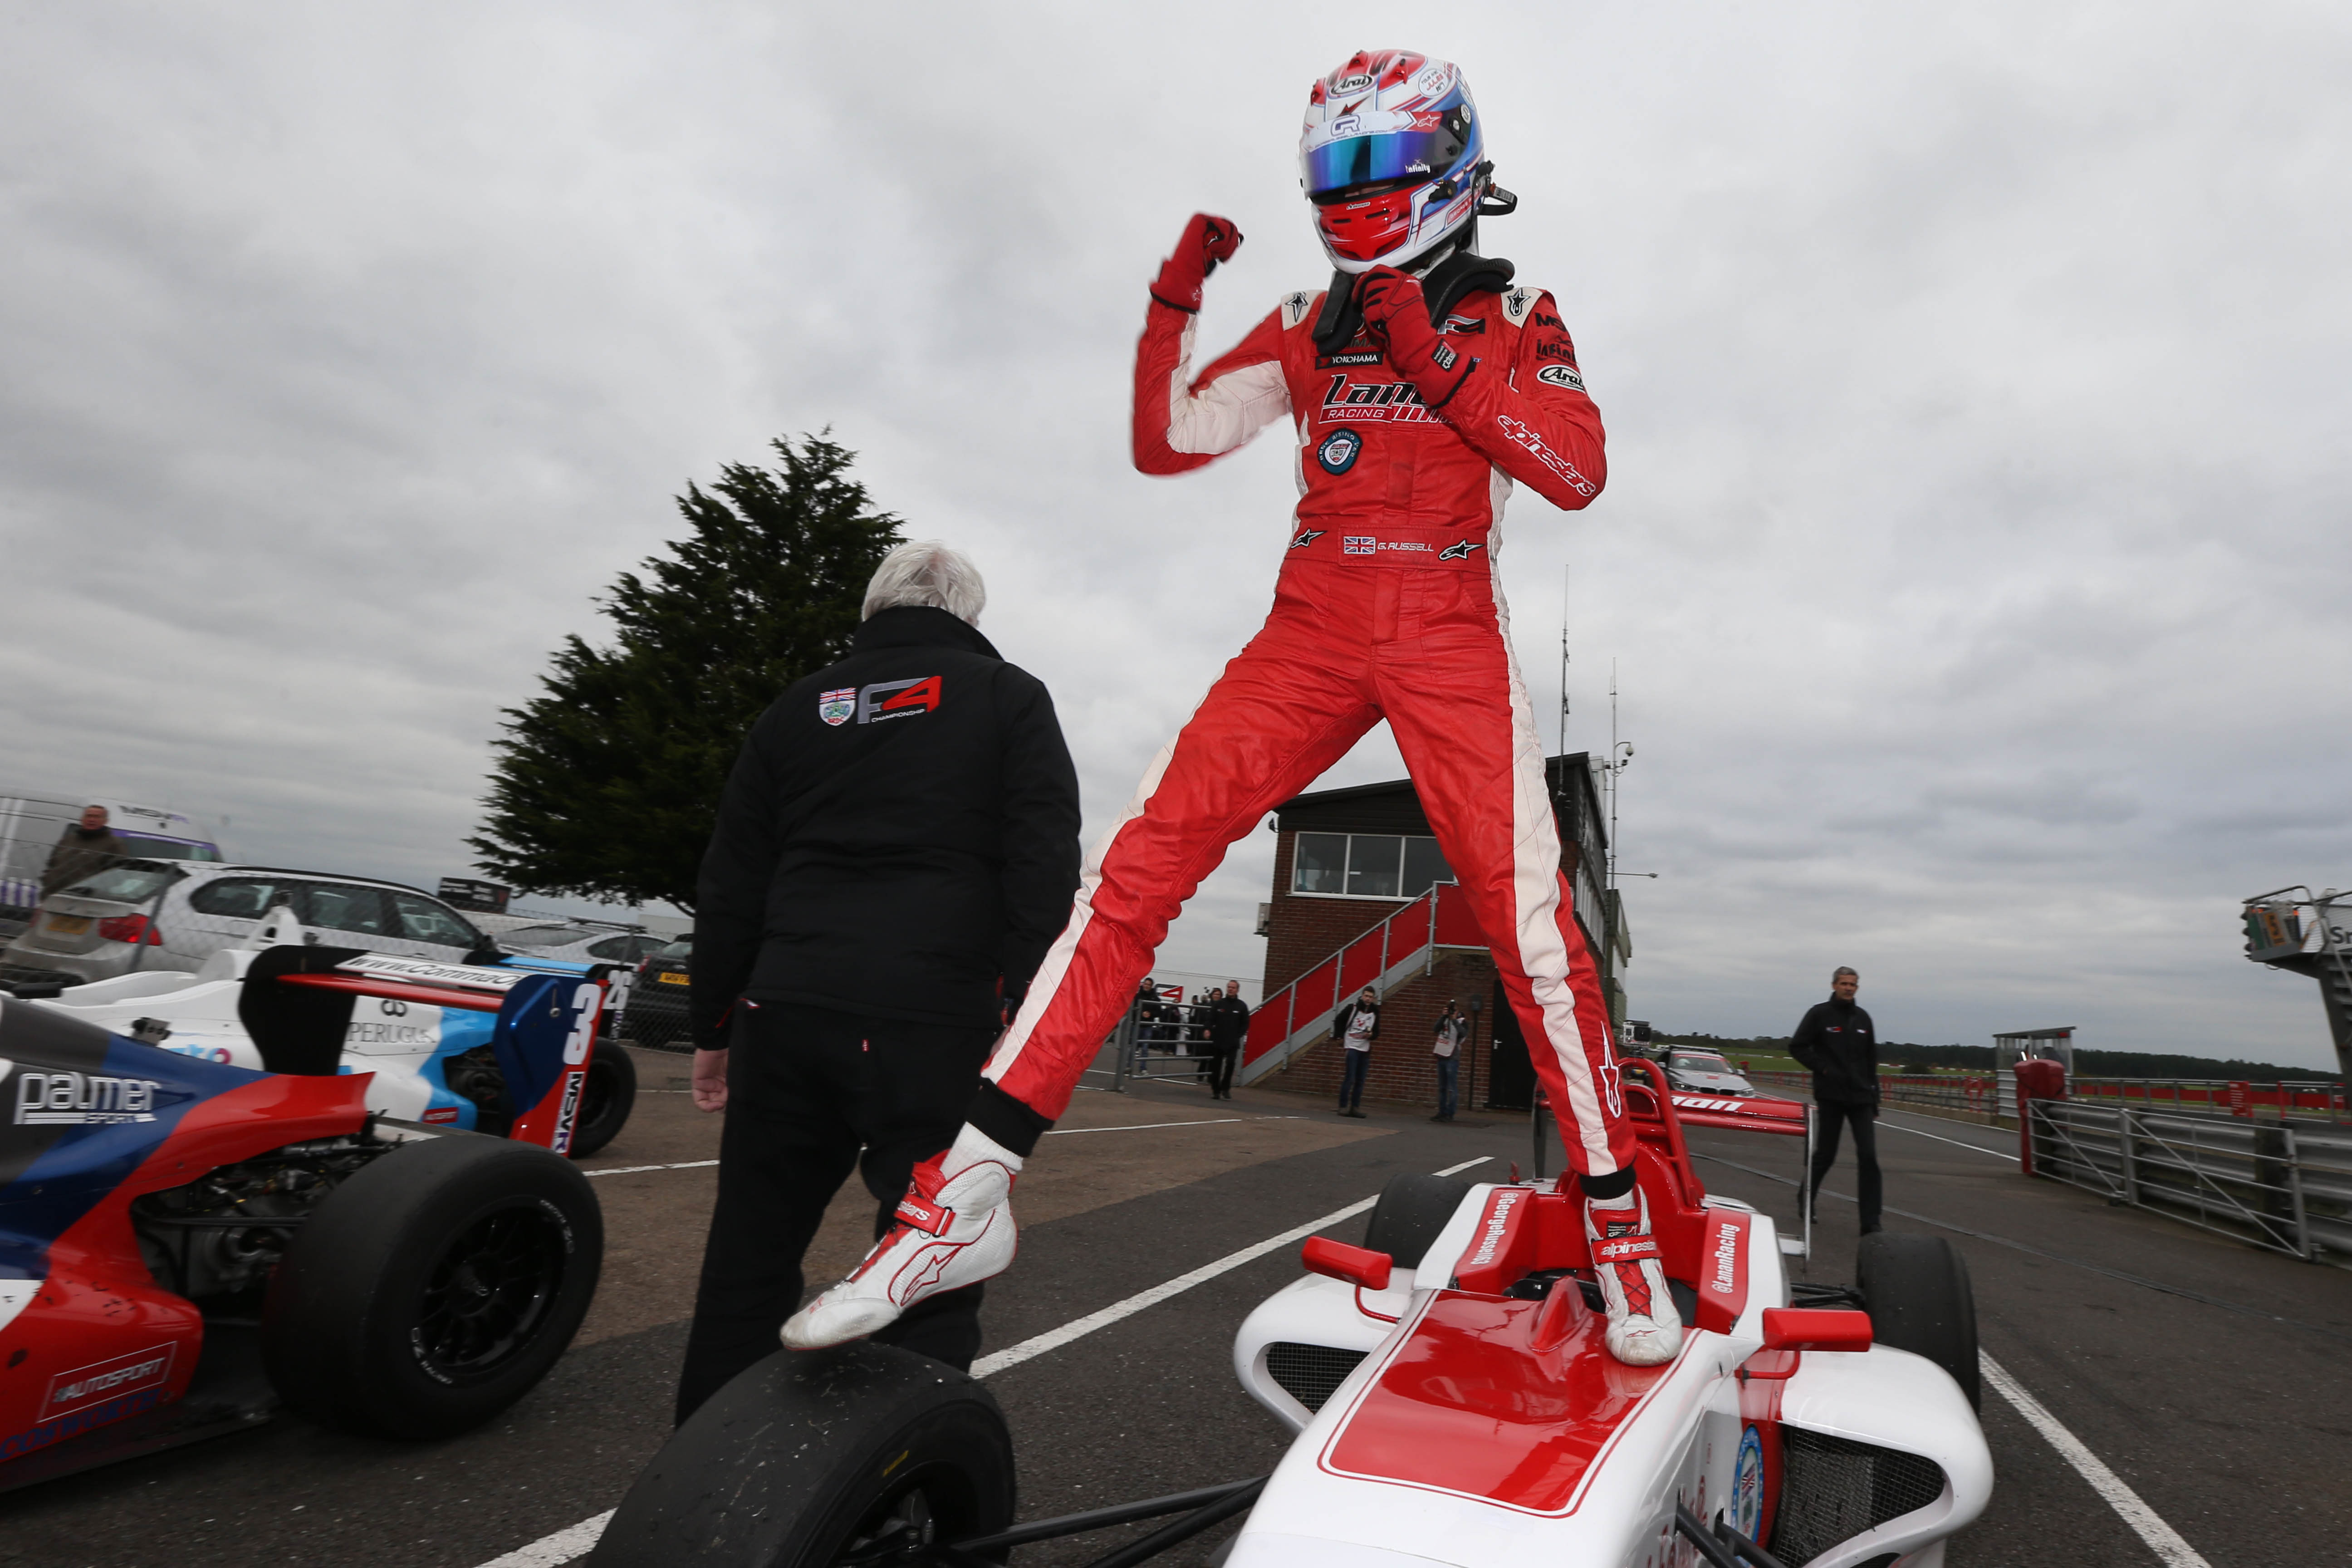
(927, 572)
(1840, 973)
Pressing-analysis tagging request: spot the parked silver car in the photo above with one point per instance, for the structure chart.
(1704, 1072)
(167, 914)
(585, 942)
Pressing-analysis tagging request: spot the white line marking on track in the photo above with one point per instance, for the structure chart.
(2161, 1537)
(1147, 1126)
(1956, 1143)
(552, 1550)
(633, 1170)
(1078, 1327)
(565, 1546)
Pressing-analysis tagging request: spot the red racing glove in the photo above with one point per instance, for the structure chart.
(1397, 315)
(1207, 241)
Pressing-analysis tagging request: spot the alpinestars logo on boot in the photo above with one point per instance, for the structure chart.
(897, 700)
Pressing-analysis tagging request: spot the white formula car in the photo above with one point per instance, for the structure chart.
(1452, 1403)
(493, 1049)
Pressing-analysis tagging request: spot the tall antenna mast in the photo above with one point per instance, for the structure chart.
(1563, 661)
(1621, 755)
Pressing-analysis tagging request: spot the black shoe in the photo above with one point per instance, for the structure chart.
(1872, 1229)
(1357, 1114)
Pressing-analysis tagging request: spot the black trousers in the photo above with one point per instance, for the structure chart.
(812, 1095)
(1221, 1070)
(1863, 1120)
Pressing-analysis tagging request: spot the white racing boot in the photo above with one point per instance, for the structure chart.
(1644, 1329)
(954, 1227)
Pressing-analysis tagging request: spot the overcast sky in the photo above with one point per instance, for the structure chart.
(1974, 558)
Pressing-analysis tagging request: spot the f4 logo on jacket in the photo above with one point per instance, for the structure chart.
(897, 700)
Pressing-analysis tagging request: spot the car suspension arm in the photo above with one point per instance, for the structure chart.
(1202, 1510)
(1723, 1547)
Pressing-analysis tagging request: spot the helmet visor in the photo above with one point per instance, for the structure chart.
(1426, 149)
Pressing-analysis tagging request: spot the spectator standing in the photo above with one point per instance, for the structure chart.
(1356, 1026)
(1838, 1042)
(83, 850)
(896, 850)
(1229, 1018)
(1453, 1029)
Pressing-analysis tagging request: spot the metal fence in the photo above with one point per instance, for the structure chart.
(1973, 1093)
(1164, 1041)
(1995, 1094)
(2287, 1185)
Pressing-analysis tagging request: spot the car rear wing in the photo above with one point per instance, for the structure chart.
(297, 1006)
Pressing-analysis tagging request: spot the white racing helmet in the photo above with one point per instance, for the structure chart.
(1392, 157)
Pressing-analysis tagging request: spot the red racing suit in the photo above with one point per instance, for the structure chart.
(1389, 606)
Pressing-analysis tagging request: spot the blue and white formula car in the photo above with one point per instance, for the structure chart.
(187, 1245)
(1453, 1401)
(437, 1037)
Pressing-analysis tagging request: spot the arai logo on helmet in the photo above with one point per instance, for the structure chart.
(1360, 82)
(1340, 451)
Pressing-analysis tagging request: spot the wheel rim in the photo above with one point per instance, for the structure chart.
(933, 1503)
(488, 1294)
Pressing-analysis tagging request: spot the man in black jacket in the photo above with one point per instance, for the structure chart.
(1836, 1040)
(1229, 1018)
(896, 850)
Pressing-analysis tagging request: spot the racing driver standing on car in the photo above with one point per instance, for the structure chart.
(1419, 388)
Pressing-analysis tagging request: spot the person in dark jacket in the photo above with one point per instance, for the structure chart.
(896, 849)
(83, 850)
(1229, 1018)
(1356, 1026)
(1837, 1041)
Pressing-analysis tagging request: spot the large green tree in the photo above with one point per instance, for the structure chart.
(606, 786)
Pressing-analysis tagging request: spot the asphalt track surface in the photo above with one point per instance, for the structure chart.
(2211, 1379)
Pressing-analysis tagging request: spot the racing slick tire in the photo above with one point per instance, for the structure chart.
(812, 1458)
(434, 1288)
(1916, 1290)
(606, 1098)
(1411, 1211)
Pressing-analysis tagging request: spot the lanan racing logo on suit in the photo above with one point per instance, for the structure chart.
(897, 700)
(835, 707)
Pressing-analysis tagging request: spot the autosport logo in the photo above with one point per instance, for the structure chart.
(81, 1098)
(70, 1391)
(1498, 1219)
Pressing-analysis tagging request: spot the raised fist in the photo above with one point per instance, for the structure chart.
(1206, 242)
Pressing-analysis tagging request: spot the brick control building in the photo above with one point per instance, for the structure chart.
(1345, 861)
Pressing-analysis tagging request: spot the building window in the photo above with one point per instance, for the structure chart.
(1366, 865)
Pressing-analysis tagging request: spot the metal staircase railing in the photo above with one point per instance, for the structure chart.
(1400, 947)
